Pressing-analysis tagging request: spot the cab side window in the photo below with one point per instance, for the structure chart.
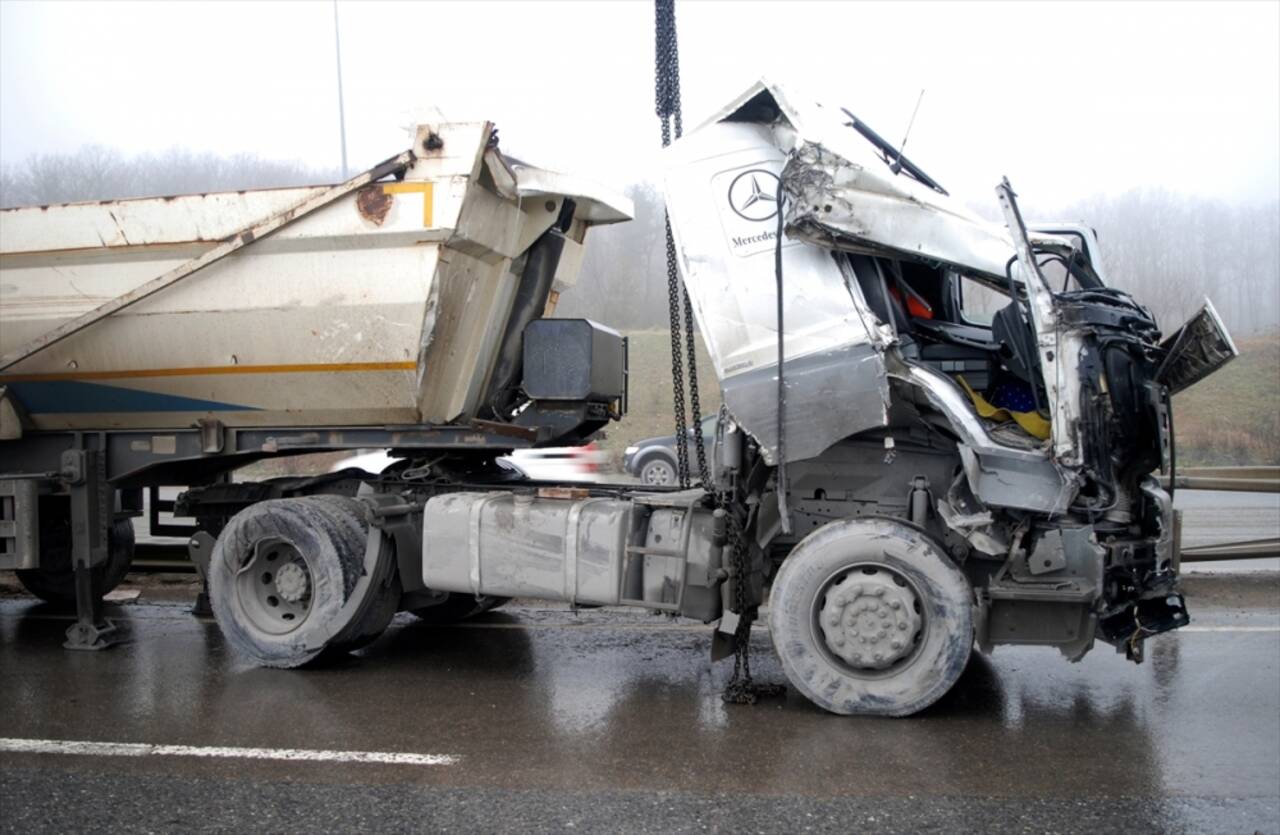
(978, 301)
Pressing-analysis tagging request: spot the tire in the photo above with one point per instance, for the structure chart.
(868, 576)
(658, 471)
(375, 618)
(281, 572)
(54, 581)
(458, 606)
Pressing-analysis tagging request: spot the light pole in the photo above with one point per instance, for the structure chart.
(342, 119)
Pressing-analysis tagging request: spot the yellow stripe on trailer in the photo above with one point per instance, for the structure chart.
(425, 189)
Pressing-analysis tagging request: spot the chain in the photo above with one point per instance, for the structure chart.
(667, 106)
(695, 402)
(740, 689)
(677, 369)
(667, 69)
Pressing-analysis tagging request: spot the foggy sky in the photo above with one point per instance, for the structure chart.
(1067, 100)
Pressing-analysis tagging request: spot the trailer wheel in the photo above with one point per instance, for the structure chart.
(54, 581)
(870, 616)
(458, 607)
(281, 573)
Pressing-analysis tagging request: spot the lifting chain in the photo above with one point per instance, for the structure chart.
(679, 310)
(740, 689)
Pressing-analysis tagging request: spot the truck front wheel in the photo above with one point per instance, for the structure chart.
(870, 616)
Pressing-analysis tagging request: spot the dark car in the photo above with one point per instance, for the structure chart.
(653, 460)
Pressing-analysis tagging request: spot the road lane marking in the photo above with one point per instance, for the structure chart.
(137, 749)
(1228, 629)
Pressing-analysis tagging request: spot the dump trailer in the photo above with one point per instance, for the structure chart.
(938, 432)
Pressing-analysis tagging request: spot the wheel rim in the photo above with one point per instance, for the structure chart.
(274, 587)
(870, 619)
(658, 473)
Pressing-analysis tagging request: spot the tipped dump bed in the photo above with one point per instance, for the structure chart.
(385, 306)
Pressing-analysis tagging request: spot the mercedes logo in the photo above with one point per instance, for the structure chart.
(753, 195)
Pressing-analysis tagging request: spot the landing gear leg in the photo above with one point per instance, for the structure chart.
(84, 471)
(199, 549)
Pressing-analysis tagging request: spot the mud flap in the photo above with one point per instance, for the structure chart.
(724, 640)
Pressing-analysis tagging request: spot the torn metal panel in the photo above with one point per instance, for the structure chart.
(845, 196)
(596, 204)
(845, 205)
(834, 393)
(721, 189)
(1024, 482)
(999, 475)
(1199, 348)
(1058, 347)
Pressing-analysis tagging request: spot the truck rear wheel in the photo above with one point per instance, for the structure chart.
(870, 616)
(386, 599)
(54, 581)
(282, 573)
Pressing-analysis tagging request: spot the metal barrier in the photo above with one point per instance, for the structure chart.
(1237, 480)
(1252, 549)
(1233, 479)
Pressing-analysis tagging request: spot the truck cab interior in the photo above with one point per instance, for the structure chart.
(969, 327)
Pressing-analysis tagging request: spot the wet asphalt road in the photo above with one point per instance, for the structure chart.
(611, 720)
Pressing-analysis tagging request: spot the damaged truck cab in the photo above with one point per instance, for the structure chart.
(974, 419)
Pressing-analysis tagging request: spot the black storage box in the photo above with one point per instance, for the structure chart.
(573, 359)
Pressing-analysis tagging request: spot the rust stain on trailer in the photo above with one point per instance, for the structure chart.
(373, 202)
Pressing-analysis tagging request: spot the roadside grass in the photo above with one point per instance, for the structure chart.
(1232, 417)
(650, 412)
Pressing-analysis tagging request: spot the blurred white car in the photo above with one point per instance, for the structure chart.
(574, 463)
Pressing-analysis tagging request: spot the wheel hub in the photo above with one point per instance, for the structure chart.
(291, 582)
(869, 620)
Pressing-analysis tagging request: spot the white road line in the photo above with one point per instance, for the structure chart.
(1227, 629)
(136, 749)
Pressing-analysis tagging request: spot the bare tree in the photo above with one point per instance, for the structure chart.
(98, 173)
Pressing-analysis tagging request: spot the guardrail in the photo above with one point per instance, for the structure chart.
(1232, 479)
(1251, 549)
(1264, 479)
